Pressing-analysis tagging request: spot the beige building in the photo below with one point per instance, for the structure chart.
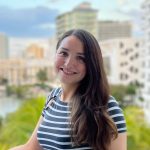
(122, 60)
(83, 16)
(34, 51)
(24, 71)
(114, 29)
(146, 57)
(13, 70)
(3, 46)
(29, 47)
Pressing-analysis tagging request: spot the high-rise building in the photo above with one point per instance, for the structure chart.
(29, 47)
(146, 54)
(83, 16)
(34, 51)
(3, 46)
(122, 60)
(114, 29)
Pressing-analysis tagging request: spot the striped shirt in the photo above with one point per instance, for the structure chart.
(54, 132)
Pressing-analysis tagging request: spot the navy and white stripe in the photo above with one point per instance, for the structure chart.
(116, 114)
(54, 131)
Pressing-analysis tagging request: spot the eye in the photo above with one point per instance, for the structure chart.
(81, 59)
(63, 53)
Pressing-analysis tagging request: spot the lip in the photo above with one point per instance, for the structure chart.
(67, 72)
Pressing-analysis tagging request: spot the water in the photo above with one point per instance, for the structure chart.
(8, 105)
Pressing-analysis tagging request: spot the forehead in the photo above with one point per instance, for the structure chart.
(72, 43)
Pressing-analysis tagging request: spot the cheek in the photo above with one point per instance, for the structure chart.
(59, 61)
(83, 70)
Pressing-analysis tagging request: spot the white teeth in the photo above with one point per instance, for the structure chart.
(67, 72)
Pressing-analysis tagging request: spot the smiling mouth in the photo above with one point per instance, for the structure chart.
(67, 72)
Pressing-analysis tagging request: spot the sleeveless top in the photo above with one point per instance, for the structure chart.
(54, 132)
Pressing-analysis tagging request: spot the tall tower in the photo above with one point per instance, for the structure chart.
(83, 16)
(114, 29)
(146, 55)
(3, 46)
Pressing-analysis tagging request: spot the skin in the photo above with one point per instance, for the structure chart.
(70, 68)
(69, 65)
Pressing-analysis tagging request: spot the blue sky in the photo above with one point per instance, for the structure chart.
(36, 18)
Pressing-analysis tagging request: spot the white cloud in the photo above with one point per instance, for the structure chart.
(47, 26)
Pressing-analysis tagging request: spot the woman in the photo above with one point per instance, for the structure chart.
(80, 114)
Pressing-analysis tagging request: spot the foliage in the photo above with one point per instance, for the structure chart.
(42, 75)
(138, 130)
(20, 124)
(1, 120)
(9, 90)
(131, 90)
(124, 94)
(3, 81)
(19, 91)
(27, 91)
(43, 86)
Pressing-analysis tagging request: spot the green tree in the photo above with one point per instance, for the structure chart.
(42, 75)
(3, 81)
(10, 90)
(131, 90)
(119, 92)
(125, 95)
(137, 129)
(19, 91)
(1, 120)
(20, 124)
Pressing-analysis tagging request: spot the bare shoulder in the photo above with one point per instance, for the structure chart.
(120, 143)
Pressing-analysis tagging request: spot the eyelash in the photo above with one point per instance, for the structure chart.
(63, 53)
(79, 58)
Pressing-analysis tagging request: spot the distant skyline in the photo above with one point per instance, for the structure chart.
(36, 18)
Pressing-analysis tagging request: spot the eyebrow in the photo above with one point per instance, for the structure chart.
(66, 49)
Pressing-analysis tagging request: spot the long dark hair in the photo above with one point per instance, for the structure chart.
(90, 121)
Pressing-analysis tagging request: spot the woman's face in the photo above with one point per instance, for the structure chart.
(70, 61)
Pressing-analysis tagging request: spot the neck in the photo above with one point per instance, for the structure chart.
(67, 93)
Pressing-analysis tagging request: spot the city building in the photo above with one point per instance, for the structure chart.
(83, 16)
(114, 29)
(146, 56)
(122, 60)
(24, 71)
(3, 46)
(20, 47)
(34, 51)
(27, 57)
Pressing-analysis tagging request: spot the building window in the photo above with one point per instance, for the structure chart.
(136, 44)
(123, 76)
(121, 45)
(131, 69)
(131, 58)
(136, 70)
(126, 52)
(136, 55)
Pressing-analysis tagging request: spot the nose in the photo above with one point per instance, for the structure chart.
(69, 62)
